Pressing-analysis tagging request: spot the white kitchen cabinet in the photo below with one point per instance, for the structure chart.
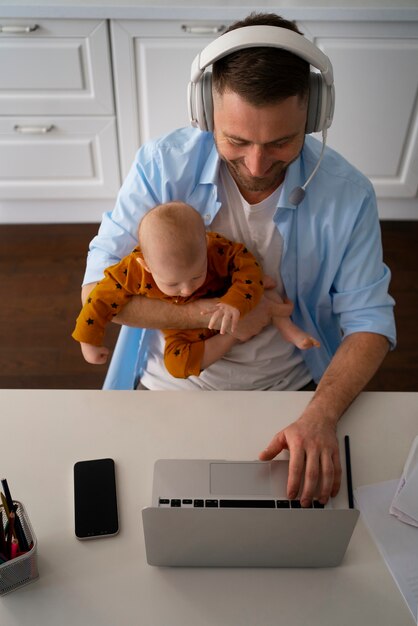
(79, 96)
(58, 139)
(152, 63)
(376, 112)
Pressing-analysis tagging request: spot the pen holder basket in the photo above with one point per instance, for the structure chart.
(23, 569)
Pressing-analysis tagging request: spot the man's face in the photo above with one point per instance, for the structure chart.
(258, 143)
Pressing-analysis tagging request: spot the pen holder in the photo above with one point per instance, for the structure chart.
(22, 569)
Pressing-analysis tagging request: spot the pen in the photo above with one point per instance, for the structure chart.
(7, 494)
(19, 533)
(348, 471)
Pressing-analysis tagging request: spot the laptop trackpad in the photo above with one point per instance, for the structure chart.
(249, 479)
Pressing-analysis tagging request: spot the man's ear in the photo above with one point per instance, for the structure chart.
(144, 265)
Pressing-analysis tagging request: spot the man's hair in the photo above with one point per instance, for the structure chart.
(262, 75)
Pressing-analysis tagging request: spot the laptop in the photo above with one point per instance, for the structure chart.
(214, 513)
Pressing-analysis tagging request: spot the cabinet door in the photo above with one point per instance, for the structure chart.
(152, 64)
(58, 158)
(55, 67)
(375, 124)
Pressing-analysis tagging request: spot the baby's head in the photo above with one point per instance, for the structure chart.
(172, 238)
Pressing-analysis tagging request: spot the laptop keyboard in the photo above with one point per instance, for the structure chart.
(234, 504)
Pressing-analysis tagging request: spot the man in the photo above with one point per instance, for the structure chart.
(323, 251)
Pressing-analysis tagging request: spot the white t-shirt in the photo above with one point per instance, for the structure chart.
(266, 361)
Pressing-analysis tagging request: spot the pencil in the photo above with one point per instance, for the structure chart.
(2, 537)
(12, 517)
(348, 472)
(4, 503)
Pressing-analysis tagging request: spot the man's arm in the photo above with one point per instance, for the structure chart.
(312, 440)
(145, 312)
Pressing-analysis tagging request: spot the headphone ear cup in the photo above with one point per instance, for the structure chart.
(199, 97)
(315, 103)
(207, 100)
(320, 105)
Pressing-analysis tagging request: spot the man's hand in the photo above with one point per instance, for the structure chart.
(314, 458)
(312, 440)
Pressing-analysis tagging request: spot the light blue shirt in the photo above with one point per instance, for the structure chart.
(332, 266)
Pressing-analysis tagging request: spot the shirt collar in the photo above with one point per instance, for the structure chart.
(209, 175)
(292, 179)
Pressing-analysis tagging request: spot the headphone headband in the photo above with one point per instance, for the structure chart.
(262, 37)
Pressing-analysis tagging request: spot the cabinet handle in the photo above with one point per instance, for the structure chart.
(19, 29)
(33, 130)
(203, 30)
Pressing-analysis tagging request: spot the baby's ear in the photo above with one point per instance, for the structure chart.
(144, 265)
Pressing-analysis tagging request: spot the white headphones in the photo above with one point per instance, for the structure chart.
(321, 89)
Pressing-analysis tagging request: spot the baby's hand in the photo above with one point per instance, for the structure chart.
(269, 282)
(96, 355)
(225, 317)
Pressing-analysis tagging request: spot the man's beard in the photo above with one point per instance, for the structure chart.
(255, 183)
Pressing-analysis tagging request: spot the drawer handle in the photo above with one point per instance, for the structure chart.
(33, 130)
(203, 30)
(19, 29)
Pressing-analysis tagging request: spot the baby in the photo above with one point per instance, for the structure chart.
(178, 261)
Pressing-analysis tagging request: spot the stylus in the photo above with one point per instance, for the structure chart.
(348, 472)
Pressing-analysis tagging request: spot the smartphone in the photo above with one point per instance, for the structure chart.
(95, 502)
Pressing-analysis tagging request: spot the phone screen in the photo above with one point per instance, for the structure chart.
(95, 502)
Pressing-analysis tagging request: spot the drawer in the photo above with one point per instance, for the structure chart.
(58, 158)
(55, 67)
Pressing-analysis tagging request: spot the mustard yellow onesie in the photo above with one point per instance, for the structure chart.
(233, 276)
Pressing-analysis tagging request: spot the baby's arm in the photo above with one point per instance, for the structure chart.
(107, 297)
(235, 264)
(96, 355)
(246, 276)
(289, 331)
(188, 352)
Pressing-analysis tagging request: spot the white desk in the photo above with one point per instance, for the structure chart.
(107, 582)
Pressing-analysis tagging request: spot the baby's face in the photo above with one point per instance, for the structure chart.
(178, 280)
